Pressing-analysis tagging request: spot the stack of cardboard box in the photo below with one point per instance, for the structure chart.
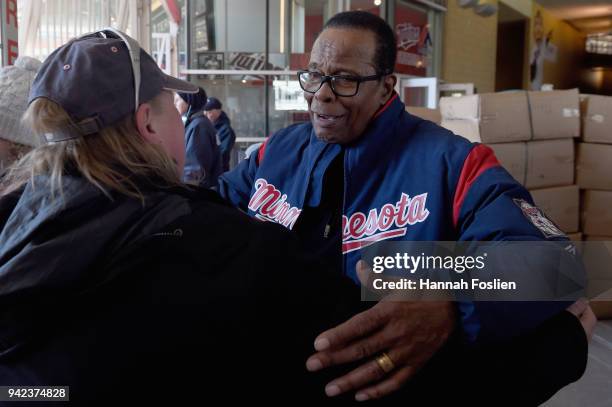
(532, 135)
(594, 176)
(594, 168)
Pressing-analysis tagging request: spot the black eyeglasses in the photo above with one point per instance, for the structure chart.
(341, 85)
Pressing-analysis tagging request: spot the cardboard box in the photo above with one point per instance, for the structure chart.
(555, 114)
(468, 128)
(599, 289)
(602, 309)
(594, 166)
(513, 156)
(463, 107)
(561, 205)
(597, 258)
(597, 119)
(433, 115)
(538, 164)
(550, 163)
(575, 237)
(596, 213)
(594, 238)
(584, 104)
(488, 117)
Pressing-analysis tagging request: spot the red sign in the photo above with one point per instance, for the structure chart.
(413, 41)
(9, 31)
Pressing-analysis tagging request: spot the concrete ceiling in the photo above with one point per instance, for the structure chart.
(508, 14)
(588, 16)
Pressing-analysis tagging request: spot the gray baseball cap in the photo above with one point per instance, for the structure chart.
(94, 77)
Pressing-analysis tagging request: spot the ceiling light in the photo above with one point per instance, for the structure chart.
(485, 10)
(467, 3)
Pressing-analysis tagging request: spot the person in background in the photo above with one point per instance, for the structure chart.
(253, 148)
(543, 50)
(203, 160)
(15, 82)
(225, 133)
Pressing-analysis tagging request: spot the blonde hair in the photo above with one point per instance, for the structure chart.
(111, 160)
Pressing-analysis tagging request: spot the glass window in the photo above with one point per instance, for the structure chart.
(232, 34)
(367, 5)
(45, 25)
(599, 44)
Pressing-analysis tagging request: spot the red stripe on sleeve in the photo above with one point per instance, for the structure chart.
(480, 159)
(262, 151)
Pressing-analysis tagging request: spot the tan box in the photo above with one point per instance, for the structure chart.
(488, 117)
(597, 258)
(594, 166)
(468, 128)
(538, 164)
(513, 156)
(555, 114)
(599, 293)
(599, 289)
(432, 115)
(594, 238)
(596, 213)
(561, 204)
(597, 119)
(550, 163)
(602, 309)
(575, 237)
(463, 107)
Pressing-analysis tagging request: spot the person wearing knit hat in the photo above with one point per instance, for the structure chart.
(15, 82)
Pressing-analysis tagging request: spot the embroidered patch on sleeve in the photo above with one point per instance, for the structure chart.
(539, 219)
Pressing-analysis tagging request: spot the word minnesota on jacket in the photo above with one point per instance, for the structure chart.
(389, 222)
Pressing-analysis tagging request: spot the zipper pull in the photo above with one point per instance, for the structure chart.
(327, 229)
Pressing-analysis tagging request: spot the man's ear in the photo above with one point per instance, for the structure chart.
(143, 123)
(388, 88)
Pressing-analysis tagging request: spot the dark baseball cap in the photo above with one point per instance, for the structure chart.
(212, 104)
(93, 78)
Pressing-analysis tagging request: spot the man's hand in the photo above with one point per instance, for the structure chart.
(408, 332)
(584, 313)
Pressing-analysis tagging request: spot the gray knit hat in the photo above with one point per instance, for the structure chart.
(15, 83)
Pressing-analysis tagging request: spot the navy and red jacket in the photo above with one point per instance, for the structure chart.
(405, 179)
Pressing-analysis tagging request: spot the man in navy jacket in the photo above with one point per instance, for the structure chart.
(225, 133)
(363, 170)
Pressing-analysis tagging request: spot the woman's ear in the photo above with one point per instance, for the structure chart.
(143, 124)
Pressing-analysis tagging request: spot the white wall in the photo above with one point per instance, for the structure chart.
(240, 25)
(524, 7)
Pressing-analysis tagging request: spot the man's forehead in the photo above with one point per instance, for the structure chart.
(343, 46)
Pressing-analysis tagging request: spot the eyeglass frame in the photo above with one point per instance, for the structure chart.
(330, 79)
